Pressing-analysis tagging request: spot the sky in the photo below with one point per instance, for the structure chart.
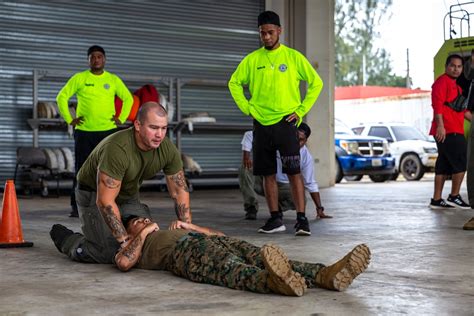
(418, 26)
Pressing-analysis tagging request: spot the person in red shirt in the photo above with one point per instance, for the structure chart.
(448, 130)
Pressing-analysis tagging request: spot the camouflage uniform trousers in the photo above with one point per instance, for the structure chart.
(229, 262)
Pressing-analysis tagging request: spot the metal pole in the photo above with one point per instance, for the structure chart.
(408, 83)
(170, 102)
(178, 112)
(35, 108)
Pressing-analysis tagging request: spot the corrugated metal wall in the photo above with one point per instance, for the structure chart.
(183, 39)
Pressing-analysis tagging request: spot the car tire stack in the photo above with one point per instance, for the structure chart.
(47, 110)
(59, 161)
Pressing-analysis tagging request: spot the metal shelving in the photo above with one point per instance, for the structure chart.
(178, 126)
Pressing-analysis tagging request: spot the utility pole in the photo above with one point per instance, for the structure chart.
(364, 74)
(408, 82)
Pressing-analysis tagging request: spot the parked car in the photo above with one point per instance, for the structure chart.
(357, 156)
(413, 151)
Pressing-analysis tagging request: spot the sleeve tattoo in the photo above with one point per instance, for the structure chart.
(131, 251)
(113, 222)
(180, 180)
(181, 211)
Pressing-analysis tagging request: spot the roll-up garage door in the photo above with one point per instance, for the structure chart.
(190, 40)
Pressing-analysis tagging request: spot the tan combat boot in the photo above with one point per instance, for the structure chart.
(469, 225)
(282, 279)
(340, 275)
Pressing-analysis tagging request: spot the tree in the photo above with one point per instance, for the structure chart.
(355, 30)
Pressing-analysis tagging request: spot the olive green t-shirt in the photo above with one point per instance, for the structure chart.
(158, 247)
(119, 157)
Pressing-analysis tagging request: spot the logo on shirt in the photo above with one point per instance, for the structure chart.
(89, 84)
(282, 67)
(106, 86)
(261, 67)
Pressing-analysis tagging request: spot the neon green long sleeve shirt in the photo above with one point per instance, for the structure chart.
(95, 100)
(273, 78)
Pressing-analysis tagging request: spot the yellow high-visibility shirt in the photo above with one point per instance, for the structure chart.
(273, 78)
(95, 100)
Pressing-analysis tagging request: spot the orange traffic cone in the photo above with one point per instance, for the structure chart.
(11, 234)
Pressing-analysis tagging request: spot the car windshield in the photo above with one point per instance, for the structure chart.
(407, 133)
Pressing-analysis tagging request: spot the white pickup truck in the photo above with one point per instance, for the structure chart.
(413, 151)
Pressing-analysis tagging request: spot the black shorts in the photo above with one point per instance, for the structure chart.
(282, 136)
(452, 155)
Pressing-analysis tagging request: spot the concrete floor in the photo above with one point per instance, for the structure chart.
(422, 261)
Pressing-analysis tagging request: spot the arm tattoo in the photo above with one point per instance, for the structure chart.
(110, 183)
(131, 251)
(181, 211)
(113, 222)
(180, 180)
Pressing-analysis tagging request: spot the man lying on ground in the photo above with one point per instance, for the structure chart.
(204, 255)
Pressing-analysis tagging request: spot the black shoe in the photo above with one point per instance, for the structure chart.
(457, 202)
(59, 234)
(440, 205)
(302, 227)
(251, 216)
(273, 225)
(74, 212)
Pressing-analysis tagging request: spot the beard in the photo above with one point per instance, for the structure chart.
(270, 47)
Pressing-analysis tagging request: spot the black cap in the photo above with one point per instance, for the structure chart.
(268, 17)
(305, 129)
(95, 48)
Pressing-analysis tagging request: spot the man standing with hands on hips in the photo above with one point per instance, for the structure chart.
(95, 118)
(273, 74)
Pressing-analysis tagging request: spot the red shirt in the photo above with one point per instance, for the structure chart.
(445, 89)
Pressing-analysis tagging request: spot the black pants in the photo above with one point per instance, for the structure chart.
(85, 142)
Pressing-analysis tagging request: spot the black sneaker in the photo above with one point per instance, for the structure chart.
(273, 225)
(302, 227)
(439, 205)
(457, 202)
(59, 234)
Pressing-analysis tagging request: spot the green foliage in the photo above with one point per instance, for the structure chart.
(356, 24)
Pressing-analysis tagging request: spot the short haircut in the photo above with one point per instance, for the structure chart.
(268, 17)
(95, 48)
(453, 56)
(146, 107)
(127, 219)
(305, 129)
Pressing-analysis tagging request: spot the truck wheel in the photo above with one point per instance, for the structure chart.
(339, 174)
(411, 167)
(380, 177)
(353, 178)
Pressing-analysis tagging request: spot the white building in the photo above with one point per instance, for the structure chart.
(362, 104)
